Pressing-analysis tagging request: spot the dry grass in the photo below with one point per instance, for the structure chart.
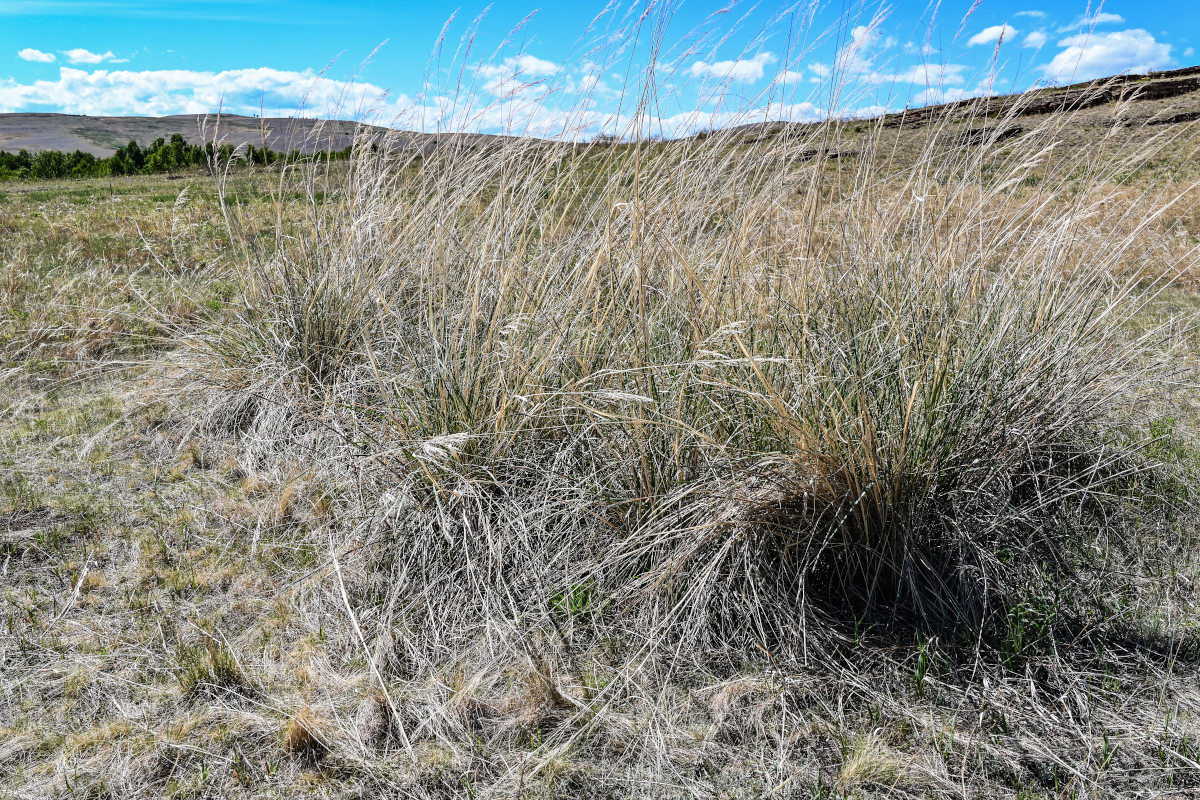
(706, 467)
(898, 389)
(301, 736)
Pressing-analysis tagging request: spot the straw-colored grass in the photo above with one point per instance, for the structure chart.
(721, 380)
(809, 460)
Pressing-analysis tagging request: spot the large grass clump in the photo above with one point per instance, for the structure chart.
(738, 388)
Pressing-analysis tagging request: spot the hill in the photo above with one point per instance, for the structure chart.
(1154, 99)
(101, 136)
(1158, 98)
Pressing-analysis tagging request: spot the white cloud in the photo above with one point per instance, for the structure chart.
(516, 74)
(285, 93)
(857, 60)
(1099, 18)
(568, 106)
(743, 70)
(1087, 56)
(863, 112)
(522, 116)
(1035, 40)
(1188, 53)
(923, 75)
(81, 56)
(858, 55)
(692, 121)
(993, 35)
(162, 92)
(789, 78)
(1034, 14)
(933, 95)
(525, 65)
(29, 54)
(591, 80)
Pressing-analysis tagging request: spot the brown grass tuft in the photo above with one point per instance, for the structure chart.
(302, 738)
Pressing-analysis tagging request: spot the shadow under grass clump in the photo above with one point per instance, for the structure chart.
(1128, 647)
(778, 561)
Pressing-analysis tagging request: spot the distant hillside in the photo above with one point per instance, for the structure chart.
(1159, 98)
(1145, 89)
(101, 136)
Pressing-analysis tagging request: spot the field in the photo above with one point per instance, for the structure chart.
(840, 460)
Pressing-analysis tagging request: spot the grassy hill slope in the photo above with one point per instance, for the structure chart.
(1160, 98)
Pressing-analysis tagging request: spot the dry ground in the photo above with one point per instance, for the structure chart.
(174, 624)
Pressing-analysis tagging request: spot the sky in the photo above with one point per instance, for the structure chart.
(569, 69)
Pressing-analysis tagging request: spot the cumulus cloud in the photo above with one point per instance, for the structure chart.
(275, 92)
(993, 34)
(163, 92)
(533, 116)
(284, 93)
(926, 49)
(985, 88)
(933, 96)
(81, 56)
(791, 78)
(743, 70)
(29, 54)
(858, 60)
(858, 55)
(1035, 40)
(525, 65)
(570, 106)
(690, 122)
(924, 75)
(1087, 56)
(515, 73)
(1085, 21)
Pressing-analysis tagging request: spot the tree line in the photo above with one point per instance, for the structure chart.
(161, 156)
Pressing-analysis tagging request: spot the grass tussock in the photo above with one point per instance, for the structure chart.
(724, 382)
(301, 736)
(606, 415)
(209, 667)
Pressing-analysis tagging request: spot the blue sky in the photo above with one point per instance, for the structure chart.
(572, 68)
